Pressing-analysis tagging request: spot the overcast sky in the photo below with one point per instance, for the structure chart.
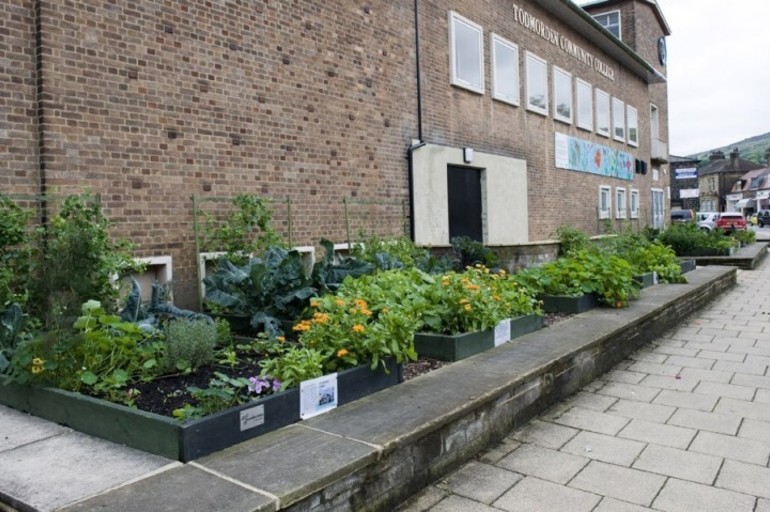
(718, 72)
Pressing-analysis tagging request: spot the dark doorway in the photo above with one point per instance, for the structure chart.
(464, 196)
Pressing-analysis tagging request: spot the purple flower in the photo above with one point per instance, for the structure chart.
(276, 385)
(262, 385)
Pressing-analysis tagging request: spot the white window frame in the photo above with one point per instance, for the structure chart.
(542, 72)
(619, 24)
(603, 99)
(606, 191)
(502, 47)
(618, 120)
(455, 20)
(620, 203)
(562, 78)
(584, 93)
(632, 125)
(634, 204)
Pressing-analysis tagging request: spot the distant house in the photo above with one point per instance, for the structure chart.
(754, 191)
(718, 178)
(684, 183)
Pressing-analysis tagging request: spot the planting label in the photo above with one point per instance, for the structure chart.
(252, 417)
(502, 332)
(317, 396)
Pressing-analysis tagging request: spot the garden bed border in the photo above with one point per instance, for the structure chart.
(375, 452)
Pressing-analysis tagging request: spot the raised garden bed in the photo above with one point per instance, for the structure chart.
(711, 251)
(185, 440)
(453, 347)
(647, 279)
(687, 265)
(568, 304)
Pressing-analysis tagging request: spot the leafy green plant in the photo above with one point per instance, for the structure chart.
(745, 237)
(188, 344)
(15, 251)
(398, 253)
(101, 355)
(12, 323)
(267, 290)
(610, 277)
(76, 261)
(571, 239)
(646, 256)
(295, 364)
(469, 252)
(329, 273)
(686, 238)
(245, 231)
(149, 316)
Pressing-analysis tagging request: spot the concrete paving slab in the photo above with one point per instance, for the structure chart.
(290, 463)
(591, 401)
(744, 409)
(685, 400)
(618, 482)
(60, 470)
(460, 504)
(19, 429)
(681, 496)
(733, 448)
(664, 435)
(612, 505)
(185, 488)
(624, 376)
(706, 375)
(642, 411)
(551, 465)
(604, 448)
(423, 500)
(719, 389)
(677, 350)
(689, 362)
(630, 391)
(721, 356)
(680, 464)
(752, 429)
(745, 478)
(750, 368)
(545, 434)
(754, 381)
(480, 482)
(763, 505)
(585, 419)
(534, 495)
(762, 396)
(494, 454)
(675, 383)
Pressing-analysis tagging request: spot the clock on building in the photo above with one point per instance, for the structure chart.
(662, 50)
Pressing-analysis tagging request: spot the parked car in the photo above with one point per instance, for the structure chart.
(763, 218)
(706, 220)
(730, 221)
(682, 216)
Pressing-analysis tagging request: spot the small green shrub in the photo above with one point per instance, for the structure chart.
(745, 237)
(469, 252)
(294, 365)
(571, 239)
(189, 344)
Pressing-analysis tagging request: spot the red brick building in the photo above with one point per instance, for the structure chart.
(503, 120)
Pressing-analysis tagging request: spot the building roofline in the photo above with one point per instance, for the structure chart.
(651, 3)
(584, 24)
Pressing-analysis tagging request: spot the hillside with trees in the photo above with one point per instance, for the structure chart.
(753, 149)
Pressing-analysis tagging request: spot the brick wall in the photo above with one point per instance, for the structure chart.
(18, 129)
(152, 101)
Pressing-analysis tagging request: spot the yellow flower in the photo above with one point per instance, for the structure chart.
(304, 325)
(339, 302)
(384, 310)
(361, 304)
(37, 369)
(467, 307)
(496, 297)
(315, 303)
(366, 312)
(320, 318)
(463, 301)
(503, 272)
(37, 362)
(342, 352)
(280, 338)
(359, 328)
(472, 287)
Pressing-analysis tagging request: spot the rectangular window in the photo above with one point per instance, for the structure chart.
(585, 105)
(602, 113)
(605, 202)
(618, 120)
(505, 70)
(537, 84)
(632, 119)
(562, 95)
(634, 205)
(620, 203)
(467, 53)
(610, 21)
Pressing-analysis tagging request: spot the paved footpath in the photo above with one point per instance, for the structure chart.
(682, 425)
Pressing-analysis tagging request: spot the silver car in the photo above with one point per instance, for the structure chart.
(706, 220)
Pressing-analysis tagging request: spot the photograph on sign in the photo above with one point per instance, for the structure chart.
(317, 396)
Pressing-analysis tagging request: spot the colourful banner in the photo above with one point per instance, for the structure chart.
(585, 156)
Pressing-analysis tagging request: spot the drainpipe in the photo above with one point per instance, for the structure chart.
(419, 143)
(39, 118)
